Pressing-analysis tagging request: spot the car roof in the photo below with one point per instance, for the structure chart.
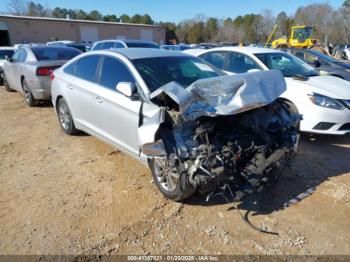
(138, 53)
(7, 48)
(135, 41)
(124, 40)
(246, 49)
(49, 47)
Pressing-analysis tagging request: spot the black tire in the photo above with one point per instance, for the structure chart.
(6, 84)
(28, 96)
(181, 189)
(65, 118)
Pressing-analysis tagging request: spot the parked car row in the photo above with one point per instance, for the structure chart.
(203, 120)
(323, 101)
(29, 69)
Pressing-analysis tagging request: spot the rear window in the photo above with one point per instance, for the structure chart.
(4, 53)
(142, 44)
(108, 45)
(86, 68)
(81, 48)
(55, 53)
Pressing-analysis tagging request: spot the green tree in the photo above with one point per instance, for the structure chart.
(32, 9)
(81, 15)
(110, 18)
(95, 15)
(211, 28)
(125, 18)
(195, 35)
(170, 34)
(228, 22)
(71, 14)
(146, 19)
(59, 12)
(346, 3)
(136, 19)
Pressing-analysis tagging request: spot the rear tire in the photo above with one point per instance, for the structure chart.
(173, 188)
(65, 118)
(28, 96)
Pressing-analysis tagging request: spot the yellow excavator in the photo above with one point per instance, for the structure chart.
(299, 37)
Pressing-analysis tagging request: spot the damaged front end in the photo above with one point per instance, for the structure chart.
(225, 130)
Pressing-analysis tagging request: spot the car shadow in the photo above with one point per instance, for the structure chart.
(319, 158)
(45, 103)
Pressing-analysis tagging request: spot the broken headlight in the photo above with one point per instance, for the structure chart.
(326, 101)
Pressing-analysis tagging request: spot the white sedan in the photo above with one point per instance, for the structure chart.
(324, 101)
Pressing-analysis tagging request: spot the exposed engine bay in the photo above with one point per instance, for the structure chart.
(242, 149)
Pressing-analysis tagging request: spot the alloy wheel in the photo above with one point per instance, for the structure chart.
(63, 115)
(167, 175)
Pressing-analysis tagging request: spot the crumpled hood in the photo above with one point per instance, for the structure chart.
(224, 95)
(325, 85)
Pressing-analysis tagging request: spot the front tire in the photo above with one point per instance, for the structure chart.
(65, 118)
(28, 96)
(171, 182)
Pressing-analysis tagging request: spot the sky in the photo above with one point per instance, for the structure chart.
(177, 10)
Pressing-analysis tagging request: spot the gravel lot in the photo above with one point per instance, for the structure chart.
(76, 195)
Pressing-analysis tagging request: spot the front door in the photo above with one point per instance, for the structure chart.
(116, 115)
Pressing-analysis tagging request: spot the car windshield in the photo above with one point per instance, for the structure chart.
(55, 53)
(158, 71)
(4, 53)
(288, 64)
(141, 44)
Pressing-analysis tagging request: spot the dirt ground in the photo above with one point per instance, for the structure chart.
(77, 195)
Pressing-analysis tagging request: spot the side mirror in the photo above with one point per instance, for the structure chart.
(316, 63)
(126, 88)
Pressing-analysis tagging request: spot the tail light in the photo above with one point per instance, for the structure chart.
(46, 71)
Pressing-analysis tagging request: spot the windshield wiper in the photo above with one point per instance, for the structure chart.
(300, 77)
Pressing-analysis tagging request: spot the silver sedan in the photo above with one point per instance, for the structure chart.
(28, 70)
(195, 127)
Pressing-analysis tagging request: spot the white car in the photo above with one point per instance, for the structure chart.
(5, 52)
(323, 101)
(195, 127)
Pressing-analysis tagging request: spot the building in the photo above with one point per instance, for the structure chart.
(25, 29)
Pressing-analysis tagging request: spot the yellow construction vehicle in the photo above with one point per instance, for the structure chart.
(299, 37)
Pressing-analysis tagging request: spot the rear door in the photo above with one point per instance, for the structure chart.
(18, 69)
(116, 116)
(80, 86)
(11, 70)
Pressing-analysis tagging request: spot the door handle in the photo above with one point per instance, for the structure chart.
(69, 86)
(99, 99)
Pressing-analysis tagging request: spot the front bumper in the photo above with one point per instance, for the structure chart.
(322, 120)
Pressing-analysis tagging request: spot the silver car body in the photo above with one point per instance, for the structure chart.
(23, 67)
(115, 118)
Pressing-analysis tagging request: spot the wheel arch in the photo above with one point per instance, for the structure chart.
(336, 75)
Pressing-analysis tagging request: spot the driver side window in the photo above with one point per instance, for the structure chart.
(22, 56)
(114, 71)
(16, 55)
(240, 63)
(216, 59)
